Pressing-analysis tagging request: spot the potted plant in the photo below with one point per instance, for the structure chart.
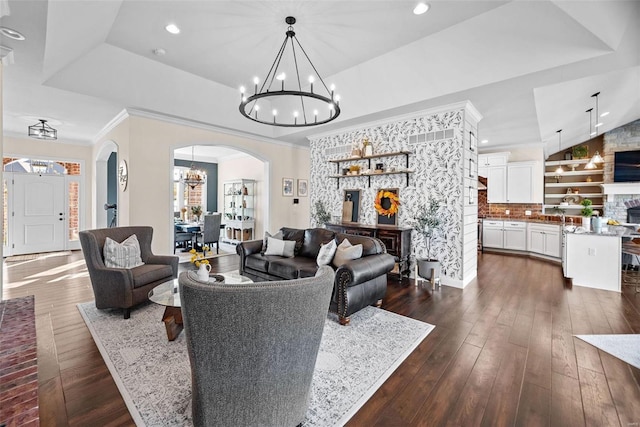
(580, 152)
(586, 213)
(427, 223)
(320, 214)
(196, 211)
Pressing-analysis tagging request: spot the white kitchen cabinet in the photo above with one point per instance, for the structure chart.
(544, 239)
(515, 235)
(497, 184)
(524, 182)
(504, 235)
(492, 159)
(492, 234)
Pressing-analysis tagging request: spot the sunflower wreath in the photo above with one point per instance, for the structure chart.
(393, 198)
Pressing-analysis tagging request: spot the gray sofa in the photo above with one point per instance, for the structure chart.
(253, 348)
(358, 283)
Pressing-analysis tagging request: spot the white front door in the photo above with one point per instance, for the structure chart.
(38, 216)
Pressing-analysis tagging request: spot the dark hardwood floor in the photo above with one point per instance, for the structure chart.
(502, 352)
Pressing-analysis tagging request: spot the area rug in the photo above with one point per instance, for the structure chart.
(154, 375)
(625, 347)
(29, 257)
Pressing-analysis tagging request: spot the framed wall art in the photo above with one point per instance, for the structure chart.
(287, 186)
(303, 188)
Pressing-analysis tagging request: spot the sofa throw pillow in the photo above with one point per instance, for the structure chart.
(122, 255)
(346, 252)
(326, 253)
(279, 247)
(278, 236)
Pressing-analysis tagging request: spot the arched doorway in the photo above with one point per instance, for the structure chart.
(231, 164)
(106, 182)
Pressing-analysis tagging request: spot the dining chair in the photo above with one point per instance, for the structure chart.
(211, 231)
(180, 238)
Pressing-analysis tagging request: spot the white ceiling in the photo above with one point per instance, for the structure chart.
(529, 67)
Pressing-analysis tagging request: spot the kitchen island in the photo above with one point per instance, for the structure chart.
(593, 260)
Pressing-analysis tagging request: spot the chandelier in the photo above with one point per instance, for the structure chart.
(303, 107)
(194, 177)
(42, 130)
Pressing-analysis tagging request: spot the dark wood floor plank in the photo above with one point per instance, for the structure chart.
(566, 401)
(505, 395)
(472, 401)
(624, 389)
(598, 406)
(444, 397)
(534, 408)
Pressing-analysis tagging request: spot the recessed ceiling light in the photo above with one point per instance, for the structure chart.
(606, 113)
(12, 34)
(484, 141)
(172, 28)
(420, 8)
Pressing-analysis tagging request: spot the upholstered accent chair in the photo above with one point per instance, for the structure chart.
(253, 348)
(211, 230)
(124, 287)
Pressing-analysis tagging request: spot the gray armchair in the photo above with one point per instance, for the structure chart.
(124, 287)
(253, 348)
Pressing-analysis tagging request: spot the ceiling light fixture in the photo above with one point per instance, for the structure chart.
(282, 99)
(559, 169)
(193, 176)
(42, 130)
(420, 8)
(597, 125)
(12, 34)
(172, 28)
(591, 133)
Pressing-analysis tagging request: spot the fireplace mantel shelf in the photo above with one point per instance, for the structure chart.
(621, 188)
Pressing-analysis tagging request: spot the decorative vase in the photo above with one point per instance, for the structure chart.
(586, 223)
(596, 224)
(203, 272)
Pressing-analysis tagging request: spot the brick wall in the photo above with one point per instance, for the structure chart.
(516, 210)
(624, 138)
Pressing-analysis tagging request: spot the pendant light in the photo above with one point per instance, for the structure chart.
(597, 158)
(560, 169)
(194, 177)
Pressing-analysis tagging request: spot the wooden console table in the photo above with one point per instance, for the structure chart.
(396, 239)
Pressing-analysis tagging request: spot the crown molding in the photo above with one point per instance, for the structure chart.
(466, 105)
(119, 118)
(206, 126)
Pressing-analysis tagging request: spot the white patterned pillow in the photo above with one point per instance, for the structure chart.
(346, 252)
(326, 253)
(122, 255)
(279, 247)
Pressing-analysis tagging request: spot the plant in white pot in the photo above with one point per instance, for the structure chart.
(427, 222)
(586, 213)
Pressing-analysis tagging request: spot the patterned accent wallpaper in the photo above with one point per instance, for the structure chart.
(439, 172)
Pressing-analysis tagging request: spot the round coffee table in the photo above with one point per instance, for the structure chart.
(168, 294)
